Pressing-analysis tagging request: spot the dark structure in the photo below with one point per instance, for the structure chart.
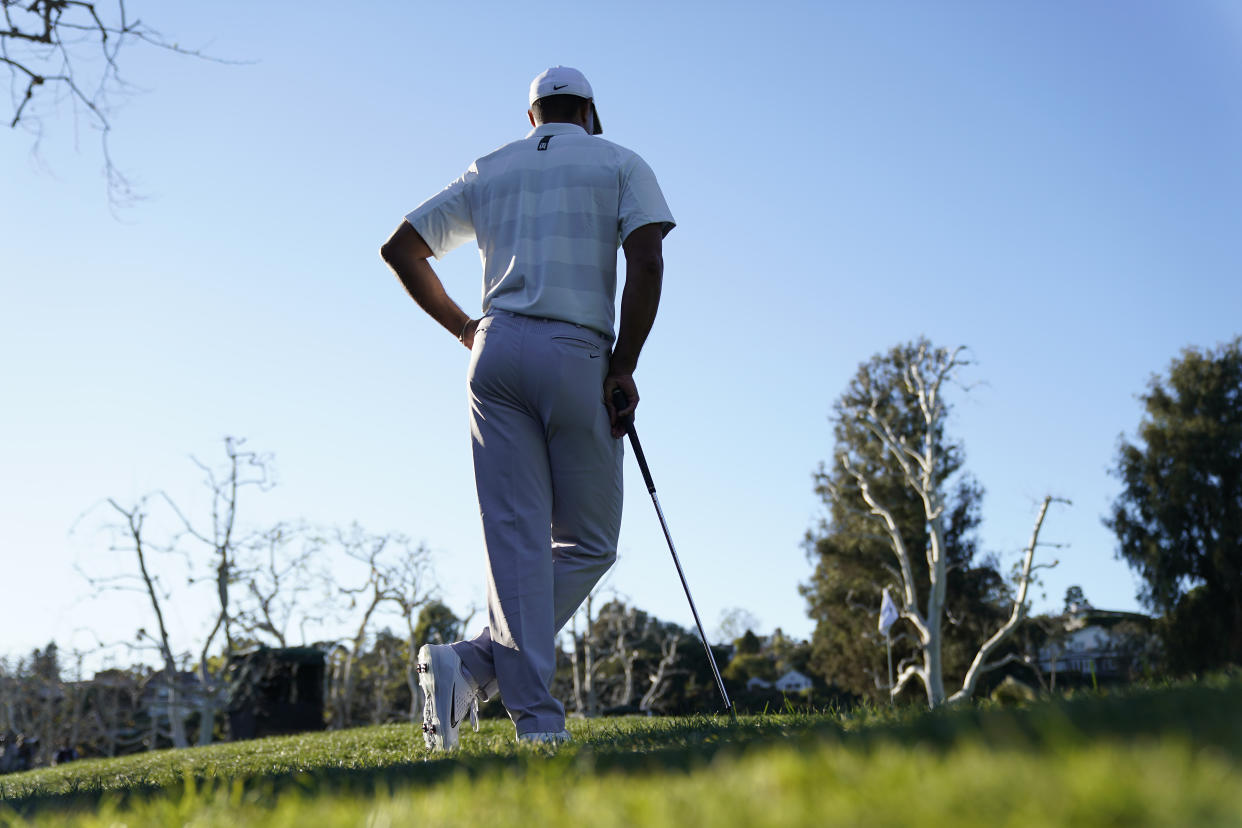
(275, 691)
(1087, 646)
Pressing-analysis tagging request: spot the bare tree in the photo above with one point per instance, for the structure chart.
(366, 549)
(583, 663)
(625, 627)
(46, 706)
(132, 539)
(387, 653)
(116, 698)
(181, 535)
(241, 469)
(410, 587)
(734, 623)
(398, 572)
(279, 572)
(920, 461)
(259, 579)
(33, 717)
(70, 49)
(658, 680)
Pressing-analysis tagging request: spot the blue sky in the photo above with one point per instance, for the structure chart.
(1055, 185)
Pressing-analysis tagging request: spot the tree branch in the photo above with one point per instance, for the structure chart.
(68, 44)
(904, 678)
(1009, 658)
(909, 596)
(1016, 615)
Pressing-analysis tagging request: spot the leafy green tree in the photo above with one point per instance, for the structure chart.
(853, 550)
(381, 694)
(789, 654)
(1076, 600)
(437, 624)
(747, 644)
(745, 666)
(1178, 519)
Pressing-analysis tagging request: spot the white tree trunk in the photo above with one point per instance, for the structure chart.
(207, 710)
(920, 469)
(176, 711)
(588, 674)
(668, 656)
(586, 697)
(579, 698)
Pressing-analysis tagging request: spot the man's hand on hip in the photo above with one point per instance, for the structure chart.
(468, 332)
(407, 253)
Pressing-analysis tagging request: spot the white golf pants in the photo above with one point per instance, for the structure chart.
(548, 474)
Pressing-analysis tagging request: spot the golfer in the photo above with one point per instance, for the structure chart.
(548, 213)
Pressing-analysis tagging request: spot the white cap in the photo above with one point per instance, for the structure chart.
(563, 80)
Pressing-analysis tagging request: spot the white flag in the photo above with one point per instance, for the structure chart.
(888, 612)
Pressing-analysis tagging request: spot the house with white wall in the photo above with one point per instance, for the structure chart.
(1103, 644)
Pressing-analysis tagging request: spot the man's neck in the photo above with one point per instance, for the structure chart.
(575, 123)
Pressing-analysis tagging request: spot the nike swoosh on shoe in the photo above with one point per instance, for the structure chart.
(454, 719)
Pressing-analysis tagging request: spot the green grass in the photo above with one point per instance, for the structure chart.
(1170, 756)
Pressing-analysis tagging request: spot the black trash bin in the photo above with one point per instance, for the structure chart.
(275, 691)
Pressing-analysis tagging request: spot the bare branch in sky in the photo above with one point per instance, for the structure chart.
(58, 49)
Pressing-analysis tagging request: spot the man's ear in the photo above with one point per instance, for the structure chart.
(530, 113)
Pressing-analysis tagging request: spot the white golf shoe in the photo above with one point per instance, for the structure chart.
(547, 737)
(449, 696)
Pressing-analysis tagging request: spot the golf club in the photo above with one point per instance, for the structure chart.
(619, 402)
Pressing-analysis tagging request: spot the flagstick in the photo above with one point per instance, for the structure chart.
(888, 617)
(889, 642)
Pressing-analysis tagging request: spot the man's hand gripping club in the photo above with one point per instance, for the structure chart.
(644, 276)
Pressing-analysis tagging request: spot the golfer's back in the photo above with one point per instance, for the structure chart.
(549, 212)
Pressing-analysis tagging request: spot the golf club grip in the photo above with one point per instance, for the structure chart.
(620, 401)
(642, 459)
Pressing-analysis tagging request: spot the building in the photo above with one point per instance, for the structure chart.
(791, 682)
(1098, 645)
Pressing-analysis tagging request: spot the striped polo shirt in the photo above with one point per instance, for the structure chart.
(548, 212)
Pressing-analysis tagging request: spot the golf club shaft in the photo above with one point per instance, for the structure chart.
(620, 402)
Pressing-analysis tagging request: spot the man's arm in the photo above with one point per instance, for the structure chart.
(644, 275)
(406, 253)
